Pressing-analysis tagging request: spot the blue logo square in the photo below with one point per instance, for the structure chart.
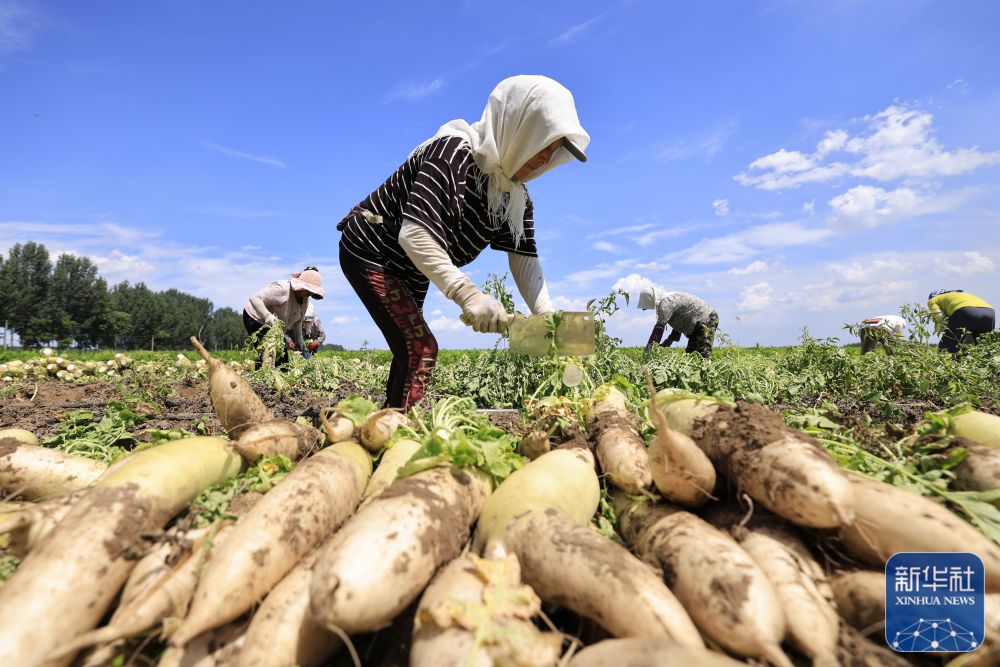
(935, 602)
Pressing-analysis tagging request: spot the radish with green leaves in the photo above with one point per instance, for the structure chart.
(304, 508)
(380, 426)
(80, 567)
(340, 423)
(386, 554)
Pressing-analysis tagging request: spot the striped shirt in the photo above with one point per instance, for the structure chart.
(443, 190)
(682, 311)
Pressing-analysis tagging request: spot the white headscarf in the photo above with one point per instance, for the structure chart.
(524, 114)
(650, 296)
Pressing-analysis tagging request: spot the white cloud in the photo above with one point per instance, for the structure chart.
(721, 207)
(967, 264)
(632, 284)
(585, 278)
(651, 266)
(758, 296)
(704, 146)
(650, 238)
(342, 320)
(604, 246)
(753, 267)
(749, 242)
(617, 231)
(446, 324)
(575, 31)
(415, 91)
(230, 152)
(958, 83)
(834, 140)
(117, 264)
(874, 206)
(565, 303)
(809, 207)
(899, 144)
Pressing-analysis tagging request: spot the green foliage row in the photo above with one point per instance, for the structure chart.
(69, 303)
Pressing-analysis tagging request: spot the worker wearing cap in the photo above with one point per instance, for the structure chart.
(883, 330)
(312, 332)
(965, 316)
(457, 193)
(686, 314)
(285, 300)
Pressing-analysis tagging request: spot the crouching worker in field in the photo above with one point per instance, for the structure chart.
(686, 314)
(456, 193)
(285, 300)
(884, 330)
(965, 316)
(312, 332)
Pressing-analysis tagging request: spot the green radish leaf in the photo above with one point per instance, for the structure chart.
(357, 409)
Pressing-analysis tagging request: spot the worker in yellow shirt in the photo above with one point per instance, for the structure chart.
(966, 317)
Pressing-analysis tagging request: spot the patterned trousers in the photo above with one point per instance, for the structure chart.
(400, 318)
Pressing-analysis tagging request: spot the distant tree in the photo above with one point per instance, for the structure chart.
(225, 330)
(145, 315)
(78, 300)
(24, 286)
(184, 316)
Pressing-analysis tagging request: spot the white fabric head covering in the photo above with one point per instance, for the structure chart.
(524, 114)
(310, 312)
(649, 297)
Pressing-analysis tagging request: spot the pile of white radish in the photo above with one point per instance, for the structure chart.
(704, 549)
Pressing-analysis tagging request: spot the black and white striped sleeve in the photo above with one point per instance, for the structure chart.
(504, 240)
(435, 197)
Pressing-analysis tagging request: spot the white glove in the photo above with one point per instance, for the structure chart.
(484, 314)
(270, 318)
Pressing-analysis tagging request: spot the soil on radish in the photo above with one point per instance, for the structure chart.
(446, 524)
(747, 426)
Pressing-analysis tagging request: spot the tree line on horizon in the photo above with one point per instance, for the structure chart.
(69, 304)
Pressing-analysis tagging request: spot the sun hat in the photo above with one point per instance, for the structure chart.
(310, 281)
(942, 291)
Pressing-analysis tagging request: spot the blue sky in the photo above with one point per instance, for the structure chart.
(794, 163)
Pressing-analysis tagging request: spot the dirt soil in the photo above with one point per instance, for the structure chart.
(39, 407)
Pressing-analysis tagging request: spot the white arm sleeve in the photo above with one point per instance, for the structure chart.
(300, 344)
(259, 306)
(527, 272)
(428, 256)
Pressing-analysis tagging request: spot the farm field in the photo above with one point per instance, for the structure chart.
(894, 419)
